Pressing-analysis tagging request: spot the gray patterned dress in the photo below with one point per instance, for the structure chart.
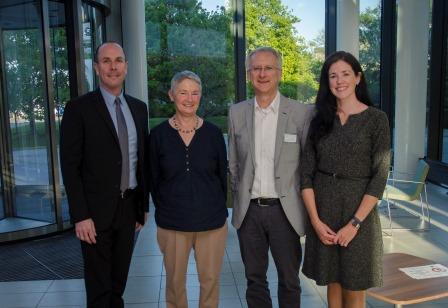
(359, 149)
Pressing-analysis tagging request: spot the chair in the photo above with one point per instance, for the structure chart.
(409, 190)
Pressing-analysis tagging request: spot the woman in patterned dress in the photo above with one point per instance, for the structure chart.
(344, 171)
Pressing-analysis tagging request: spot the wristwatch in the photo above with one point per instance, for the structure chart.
(356, 222)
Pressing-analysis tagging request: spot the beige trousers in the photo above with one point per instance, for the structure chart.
(208, 248)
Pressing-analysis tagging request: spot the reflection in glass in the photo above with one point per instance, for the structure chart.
(445, 117)
(2, 209)
(26, 104)
(297, 30)
(92, 36)
(369, 46)
(60, 74)
(195, 36)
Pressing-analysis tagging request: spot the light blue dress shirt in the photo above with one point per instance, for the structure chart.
(132, 132)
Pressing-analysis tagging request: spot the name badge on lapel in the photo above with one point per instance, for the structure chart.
(291, 138)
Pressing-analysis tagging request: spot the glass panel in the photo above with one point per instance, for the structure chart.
(445, 116)
(2, 209)
(61, 86)
(296, 28)
(92, 36)
(26, 103)
(370, 44)
(195, 36)
(428, 86)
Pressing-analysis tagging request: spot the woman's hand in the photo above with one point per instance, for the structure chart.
(324, 232)
(345, 235)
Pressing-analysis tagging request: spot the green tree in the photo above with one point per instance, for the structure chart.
(23, 71)
(270, 23)
(182, 35)
(369, 49)
(60, 75)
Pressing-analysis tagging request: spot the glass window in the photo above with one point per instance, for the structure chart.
(445, 115)
(29, 171)
(2, 208)
(195, 36)
(296, 28)
(60, 74)
(93, 34)
(370, 44)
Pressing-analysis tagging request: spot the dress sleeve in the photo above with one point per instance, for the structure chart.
(307, 165)
(380, 157)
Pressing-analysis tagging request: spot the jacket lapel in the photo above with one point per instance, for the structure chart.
(281, 126)
(105, 115)
(250, 129)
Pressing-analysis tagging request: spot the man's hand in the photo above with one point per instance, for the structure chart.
(139, 226)
(85, 231)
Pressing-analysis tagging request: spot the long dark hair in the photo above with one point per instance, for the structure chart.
(326, 105)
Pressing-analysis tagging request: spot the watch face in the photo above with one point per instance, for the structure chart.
(355, 224)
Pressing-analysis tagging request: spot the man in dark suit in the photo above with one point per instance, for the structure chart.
(103, 137)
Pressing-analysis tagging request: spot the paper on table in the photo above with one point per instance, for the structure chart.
(425, 271)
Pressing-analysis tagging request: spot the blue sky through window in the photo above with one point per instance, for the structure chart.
(311, 13)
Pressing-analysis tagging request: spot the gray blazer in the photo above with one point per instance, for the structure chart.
(293, 119)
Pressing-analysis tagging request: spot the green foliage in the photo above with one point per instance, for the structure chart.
(25, 88)
(181, 35)
(369, 49)
(23, 72)
(270, 23)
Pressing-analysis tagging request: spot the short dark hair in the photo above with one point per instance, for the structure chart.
(95, 55)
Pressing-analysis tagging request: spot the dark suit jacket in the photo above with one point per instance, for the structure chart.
(91, 159)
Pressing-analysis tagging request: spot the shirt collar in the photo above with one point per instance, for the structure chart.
(273, 106)
(109, 98)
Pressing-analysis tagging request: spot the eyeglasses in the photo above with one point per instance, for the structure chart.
(267, 69)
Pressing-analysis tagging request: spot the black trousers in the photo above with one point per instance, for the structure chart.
(106, 263)
(267, 228)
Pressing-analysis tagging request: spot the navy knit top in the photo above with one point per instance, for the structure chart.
(188, 183)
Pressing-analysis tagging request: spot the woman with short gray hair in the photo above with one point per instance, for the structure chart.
(188, 164)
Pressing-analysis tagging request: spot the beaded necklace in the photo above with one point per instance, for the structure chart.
(185, 131)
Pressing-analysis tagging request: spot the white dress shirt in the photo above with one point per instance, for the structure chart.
(265, 131)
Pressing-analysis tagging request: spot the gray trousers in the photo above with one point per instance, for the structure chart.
(267, 228)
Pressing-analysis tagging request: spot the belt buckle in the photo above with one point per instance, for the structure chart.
(261, 204)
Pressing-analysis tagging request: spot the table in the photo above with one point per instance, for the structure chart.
(400, 289)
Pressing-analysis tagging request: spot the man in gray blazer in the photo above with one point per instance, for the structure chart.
(266, 135)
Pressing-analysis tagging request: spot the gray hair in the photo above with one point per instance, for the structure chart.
(271, 50)
(181, 76)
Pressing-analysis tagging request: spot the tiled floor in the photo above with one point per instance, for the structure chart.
(146, 284)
